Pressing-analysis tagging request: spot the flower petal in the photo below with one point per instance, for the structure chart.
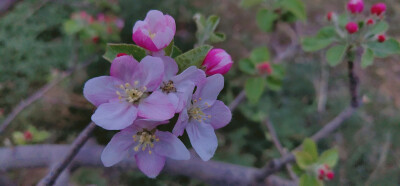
(181, 124)
(140, 35)
(147, 124)
(156, 107)
(118, 147)
(115, 115)
(174, 100)
(170, 146)
(203, 139)
(123, 68)
(184, 93)
(101, 89)
(220, 114)
(150, 164)
(192, 74)
(150, 73)
(208, 90)
(170, 67)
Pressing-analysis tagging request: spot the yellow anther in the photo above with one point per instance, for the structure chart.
(150, 152)
(127, 85)
(136, 83)
(136, 149)
(199, 99)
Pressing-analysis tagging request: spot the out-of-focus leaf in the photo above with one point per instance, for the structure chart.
(367, 58)
(175, 51)
(324, 38)
(385, 49)
(168, 50)
(309, 180)
(254, 88)
(273, 83)
(379, 27)
(259, 55)
(335, 54)
(265, 19)
(296, 7)
(310, 147)
(247, 66)
(304, 159)
(329, 157)
(217, 37)
(249, 3)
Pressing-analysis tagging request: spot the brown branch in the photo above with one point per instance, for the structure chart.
(39, 94)
(239, 98)
(212, 172)
(75, 147)
(353, 80)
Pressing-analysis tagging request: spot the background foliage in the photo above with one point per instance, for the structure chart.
(34, 49)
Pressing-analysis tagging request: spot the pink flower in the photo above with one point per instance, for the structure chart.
(149, 146)
(28, 135)
(370, 22)
(217, 61)
(202, 115)
(378, 8)
(155, 32)
(325, 173)
(329, 16)
(381, 38)
(352, 27)
(128, 93)
(264, 68)
(180, 87)
(355, 6)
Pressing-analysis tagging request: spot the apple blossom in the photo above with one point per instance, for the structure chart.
(355, 6)
(217, 61)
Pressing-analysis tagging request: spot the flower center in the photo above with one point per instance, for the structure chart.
(130, 94)
(168, 87)
(197, 113)
(152, 35)
(146, 140)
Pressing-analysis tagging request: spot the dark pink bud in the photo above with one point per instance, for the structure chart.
(329, 16)
(370, 22)
(28, 135)
(378, 8)
(352, 27)
(121, 54)
(217, 61)
(264, 68)
(355, 6)
(95, 39)
(330, 175)
(381, 38)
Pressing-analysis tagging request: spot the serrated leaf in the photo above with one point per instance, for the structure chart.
(335, 54)
(113, 49)
(329, 157)
(266, 19)
(309, 180)
(259, 55)
(385, 49)
(194, 57)
(254, 88)
(304, 159)
(247, 66)
(310, 147)
(296, 7)
(367, 58)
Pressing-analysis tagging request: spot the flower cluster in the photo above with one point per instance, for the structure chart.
(357, 7)
(137, 97)
(324, 172)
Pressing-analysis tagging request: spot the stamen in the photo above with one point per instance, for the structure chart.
(146, 140)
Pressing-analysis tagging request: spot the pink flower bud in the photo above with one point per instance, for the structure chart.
(95, 39)
(352, 27)
(155, 32)
(321, 174)
(28, 135)
(355, 6)
(378, 8)
(217, 61)
(370, 22)
(329, 16)
(330, 175)
(381, 38)
(264, 68)
(121, 54)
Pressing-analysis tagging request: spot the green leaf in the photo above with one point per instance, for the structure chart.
(175, 51)
(324, 37)
(274, 83)
(113, 49)
(247, 66)
(259, 55)
(265, 19)
(296, 7)
(367, 58)
(343, 19)
(304, 159)
(278, 71)
(379, 27)
(72, 27)
(309, 180)
(385, 49)
(217, 37)
(206, 28)
(329, 157)
(168, 50)
(254, 88)
(310, 147)
(249, 3)
(192, 57)
(335, 54)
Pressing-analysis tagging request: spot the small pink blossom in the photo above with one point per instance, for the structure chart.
(329, 16)
(352, 27)
(355, 6)
(370, 22)
(155, 32)
(378, 8)
(149, 146)
(381, 38)
(264, 68)
(217, 61)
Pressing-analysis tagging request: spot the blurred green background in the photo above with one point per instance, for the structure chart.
(35, 49)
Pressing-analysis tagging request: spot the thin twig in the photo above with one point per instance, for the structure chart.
(51, 177)
(211, 172)
(39, 94)
(353, 79)
(239, 98)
